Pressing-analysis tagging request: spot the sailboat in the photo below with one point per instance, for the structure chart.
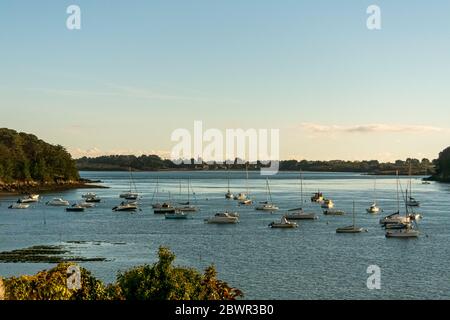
(407, 230)
(267, 205)
(298, 213)
(410, 200)
(229, 195)
(374, 209)
(246, 201)
(284, 224)
(186, 206)
(395, 218)
(166, 207)
(155, 203)
(353, 228)
(130, 195)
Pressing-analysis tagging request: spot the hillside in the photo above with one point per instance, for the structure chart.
(26, 160)
(442, 167)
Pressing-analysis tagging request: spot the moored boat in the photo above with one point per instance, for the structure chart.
(126, 206)
(29, 199)
(58, 202)
(75, 208)
(165, 208)
(223, 218)
(333, 212)
(19, 206)
(353, 228)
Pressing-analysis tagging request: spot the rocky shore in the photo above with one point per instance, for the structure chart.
(27, 187)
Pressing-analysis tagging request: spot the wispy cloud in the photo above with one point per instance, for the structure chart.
(371, 128)
(115, 90)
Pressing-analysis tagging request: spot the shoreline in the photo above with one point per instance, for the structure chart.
(46, 188)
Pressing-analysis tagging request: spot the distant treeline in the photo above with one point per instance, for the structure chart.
(155, 163)
(24, 157)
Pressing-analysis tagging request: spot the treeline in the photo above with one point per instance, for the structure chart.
(24, 157)
(160, 281)
(154, 162)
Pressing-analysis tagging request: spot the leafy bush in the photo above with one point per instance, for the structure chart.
(160, 281)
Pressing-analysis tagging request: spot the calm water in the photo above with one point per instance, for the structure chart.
(310, 262)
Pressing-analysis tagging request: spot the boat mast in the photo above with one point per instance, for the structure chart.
(246, 178)
(268, 189)
(353, 213)
(301, 187)
(410, 180)
(188, 190)
(398, 195)
(375, 190)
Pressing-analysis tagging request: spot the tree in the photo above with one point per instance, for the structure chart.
(163, 281)
(443, 166)
(23, 157)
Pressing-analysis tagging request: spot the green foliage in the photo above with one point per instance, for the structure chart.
(23, 157)
(52, 285)
(443, 166)
(163, 281)
(160, 281)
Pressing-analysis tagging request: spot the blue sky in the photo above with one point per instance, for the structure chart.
(137, 70)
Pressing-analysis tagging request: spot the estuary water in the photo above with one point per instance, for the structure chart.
(310, 262)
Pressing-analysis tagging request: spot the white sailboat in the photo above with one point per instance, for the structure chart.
(246, 201)
(410, 200)
(166, 207)
(268, 204)
(299, 213)
(155, 203)
(405, 227)
(395, 217)
(353, 228)
(130, 194)
(374, 209)
(186, 206)
(229, 195)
